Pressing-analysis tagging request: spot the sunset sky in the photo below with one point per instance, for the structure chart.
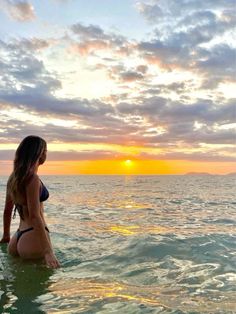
(120, 87)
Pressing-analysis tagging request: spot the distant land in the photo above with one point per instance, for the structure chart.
(198, 174)
(207, 174)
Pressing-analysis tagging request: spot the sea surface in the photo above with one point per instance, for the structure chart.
(130, 244)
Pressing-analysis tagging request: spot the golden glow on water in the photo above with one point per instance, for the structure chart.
(131, 230)
(124, 230)
(90, 292)
(94, 291)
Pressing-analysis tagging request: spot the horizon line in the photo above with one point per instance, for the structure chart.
(128, 175)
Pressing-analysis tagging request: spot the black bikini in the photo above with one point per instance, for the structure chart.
(19, 233)
(44, 195)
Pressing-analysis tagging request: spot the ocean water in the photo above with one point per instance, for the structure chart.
(130, 244)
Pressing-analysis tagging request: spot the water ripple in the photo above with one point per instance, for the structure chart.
(131, 245)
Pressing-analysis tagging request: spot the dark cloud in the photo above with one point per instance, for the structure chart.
(160, 109)
(130, 76)
(204, 157)
(177, 87)
(180, 33)
(126, 127)
(33, 44)
(179, 120)
(33, 100)
(91, 39)
(122, 74)
(89, 32)
(184, 135)
(70, 155)
(220, 61)
(152, 106)
(23, 71)
(102, 130)
(182, 7)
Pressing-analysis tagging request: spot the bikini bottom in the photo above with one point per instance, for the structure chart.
(19, 233)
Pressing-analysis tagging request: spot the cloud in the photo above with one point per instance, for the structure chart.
(22, 71)
(70, 155)
(173, 8)
(152, 12)
(85, 155)
(104, 129)
(202, 157)
(27, 85)
(108, 155)
(89, 47)
(92, 39)
(33, 44)
(130, 76)
(91, 31)
(150, 118)
(182, 50)
(20, 11)
(142, 68)
(123, 74)
(158, 108)
(189, 35)
(219, 60)
(34, 99)
(130, 124)
(178, 120)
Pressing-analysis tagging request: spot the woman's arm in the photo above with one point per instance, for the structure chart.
(7, 218)
(33, 204)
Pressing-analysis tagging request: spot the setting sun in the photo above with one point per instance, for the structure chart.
(128, 162)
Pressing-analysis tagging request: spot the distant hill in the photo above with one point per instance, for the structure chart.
(198, 174)
(231, 174)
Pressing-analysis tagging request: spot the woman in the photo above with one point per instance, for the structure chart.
(27, 192)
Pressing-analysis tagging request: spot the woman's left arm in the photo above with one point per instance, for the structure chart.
(7, 218)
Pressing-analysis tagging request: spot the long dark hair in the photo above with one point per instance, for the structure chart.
(28, 152)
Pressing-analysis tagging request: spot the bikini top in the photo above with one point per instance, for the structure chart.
(44, 195)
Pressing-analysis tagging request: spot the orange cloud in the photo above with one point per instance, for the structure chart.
(154, 60)
(89, 46)
(21, 11)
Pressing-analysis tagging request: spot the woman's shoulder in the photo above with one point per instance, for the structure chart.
(33, 181)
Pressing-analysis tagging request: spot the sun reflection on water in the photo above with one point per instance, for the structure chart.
(94, 290)
(91, 292)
